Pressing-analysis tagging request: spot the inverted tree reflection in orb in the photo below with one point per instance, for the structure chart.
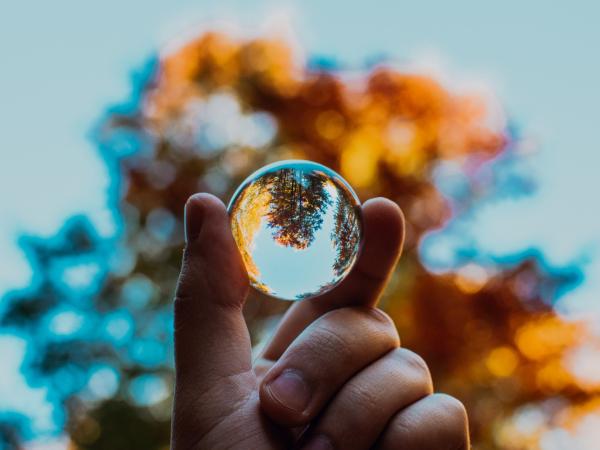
(298, 227)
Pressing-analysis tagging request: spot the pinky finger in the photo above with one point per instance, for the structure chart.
(436, 422)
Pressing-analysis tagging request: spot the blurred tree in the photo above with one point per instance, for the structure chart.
(202, 118)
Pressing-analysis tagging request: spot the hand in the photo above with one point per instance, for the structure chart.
(334, 375)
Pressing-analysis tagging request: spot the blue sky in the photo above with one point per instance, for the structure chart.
(63, 62)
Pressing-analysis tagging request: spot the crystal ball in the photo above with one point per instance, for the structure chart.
(298, 226)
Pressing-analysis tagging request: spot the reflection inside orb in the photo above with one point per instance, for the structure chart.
(298, 227)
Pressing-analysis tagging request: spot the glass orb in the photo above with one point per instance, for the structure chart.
(298, 226)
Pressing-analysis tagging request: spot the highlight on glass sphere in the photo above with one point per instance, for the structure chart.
(298, 226)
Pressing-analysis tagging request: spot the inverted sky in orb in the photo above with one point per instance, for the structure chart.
(298, 226)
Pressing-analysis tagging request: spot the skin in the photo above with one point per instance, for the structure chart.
(334, 375)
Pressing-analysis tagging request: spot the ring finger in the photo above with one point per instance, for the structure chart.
(361, 410)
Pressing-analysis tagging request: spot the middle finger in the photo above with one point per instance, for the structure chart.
(319, 361)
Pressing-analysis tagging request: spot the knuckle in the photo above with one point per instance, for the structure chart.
(451, 420)
(328, 340)
(438, 421)
(372, 320)
(383, 324)
(452, 410)
(415, 363)
(381, 318)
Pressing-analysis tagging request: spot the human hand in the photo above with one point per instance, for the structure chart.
(333, 376)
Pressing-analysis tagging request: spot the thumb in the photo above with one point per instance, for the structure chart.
(212, 344)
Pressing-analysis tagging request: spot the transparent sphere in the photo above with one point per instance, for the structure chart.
(298, 226)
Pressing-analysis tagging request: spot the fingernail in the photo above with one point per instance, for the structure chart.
(193, 219)
(290, 390)
(318, 442)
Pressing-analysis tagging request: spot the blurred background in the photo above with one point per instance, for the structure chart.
(479, 120)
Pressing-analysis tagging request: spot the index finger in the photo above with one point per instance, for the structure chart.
(384, 236)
